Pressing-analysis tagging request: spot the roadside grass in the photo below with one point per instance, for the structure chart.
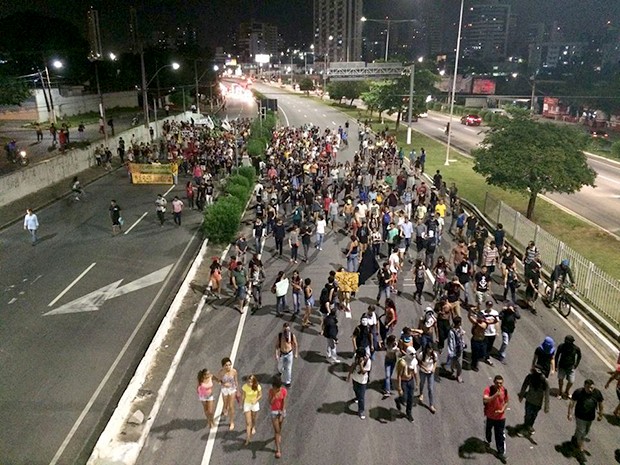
(591, 242)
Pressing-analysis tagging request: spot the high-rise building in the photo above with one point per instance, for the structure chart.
(486, 28)
(337, 30)
(256, 38)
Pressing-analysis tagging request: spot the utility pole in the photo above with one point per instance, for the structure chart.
(410, 110)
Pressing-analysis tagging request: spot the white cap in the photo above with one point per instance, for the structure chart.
(410, 350)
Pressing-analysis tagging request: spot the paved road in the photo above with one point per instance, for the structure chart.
(601, 204)
(321, 426)
(62, 371)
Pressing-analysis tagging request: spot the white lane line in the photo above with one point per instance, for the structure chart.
(285, 117)
(136, 223)
(334, 123)
(608, 179)
(206, 458)
(324, 115)
(168, 191)
(118, 359)
(73, 283)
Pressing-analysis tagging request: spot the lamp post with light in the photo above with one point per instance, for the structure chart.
(145, 86)
(56, 64)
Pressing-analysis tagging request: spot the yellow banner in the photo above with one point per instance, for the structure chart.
(142, 173)
(347, 281)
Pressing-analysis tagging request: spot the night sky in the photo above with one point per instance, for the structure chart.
(216, 18)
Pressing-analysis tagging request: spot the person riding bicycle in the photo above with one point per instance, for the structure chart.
(559, 275)
(76, 188)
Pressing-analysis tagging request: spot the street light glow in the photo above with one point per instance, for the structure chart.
(175, 66)
(363, 19)
(112, 56)
(57, 64)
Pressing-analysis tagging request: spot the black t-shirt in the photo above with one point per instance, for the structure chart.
(586, 403)
(482, 281)
(543, 360)
(462, 271)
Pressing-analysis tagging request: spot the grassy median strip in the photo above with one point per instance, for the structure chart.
(591, 242)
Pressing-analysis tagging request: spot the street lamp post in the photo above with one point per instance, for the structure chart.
(410, 110)
(146, 84)
(57, 64)
(456, 68)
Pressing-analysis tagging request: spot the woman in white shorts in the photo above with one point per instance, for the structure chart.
(205, 394)
(227, 377)
(252, 394)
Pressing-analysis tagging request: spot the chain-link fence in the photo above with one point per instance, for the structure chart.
(595, 286)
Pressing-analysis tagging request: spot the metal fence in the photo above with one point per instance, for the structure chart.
(594, 286)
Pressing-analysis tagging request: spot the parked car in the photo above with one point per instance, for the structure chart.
(599, 134)
(471, 120)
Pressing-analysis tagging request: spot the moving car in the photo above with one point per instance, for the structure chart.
(599, 134)
(471, 120)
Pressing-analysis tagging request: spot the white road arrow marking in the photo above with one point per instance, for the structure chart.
(93, 301)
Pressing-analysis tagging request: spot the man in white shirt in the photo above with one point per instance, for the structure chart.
(407, 230)
(321, 224)
(395, 266)
(31, 224)
(491, 317)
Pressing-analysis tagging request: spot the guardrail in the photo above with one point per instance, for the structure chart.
(598, 290)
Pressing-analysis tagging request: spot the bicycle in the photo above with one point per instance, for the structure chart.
(561, 300)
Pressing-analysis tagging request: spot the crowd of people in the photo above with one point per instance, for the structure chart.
(394, 223)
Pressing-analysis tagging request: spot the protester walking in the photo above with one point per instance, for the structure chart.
(359, 373)
(330, 332)
(205, 394)
(585, 402)
(406, 380)
(535, 391)
(227, 377)
(160, 208)
(286, 350)
(277, 405)
(495, 399)
(31, 224)
(177, 209)
(508, 317)
(115, 216)
(251, 395)
(567, 359)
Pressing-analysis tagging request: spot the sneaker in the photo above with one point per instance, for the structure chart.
(502, 458)
(410, 418)
(476, 369)
(489, 362)
(362, 417)
(432, 409)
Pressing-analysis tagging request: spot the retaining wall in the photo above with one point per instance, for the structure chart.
(37, 176)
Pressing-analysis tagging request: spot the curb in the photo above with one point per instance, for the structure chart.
(108, 449)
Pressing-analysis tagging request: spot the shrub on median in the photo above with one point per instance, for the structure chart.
(222, 220)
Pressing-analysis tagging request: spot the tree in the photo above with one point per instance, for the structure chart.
(533, 158)
(306, 85)
(393, 95)
(13, 91)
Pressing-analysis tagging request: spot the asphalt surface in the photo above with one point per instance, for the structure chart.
(64, 371)
(322, 426)
(600, 204)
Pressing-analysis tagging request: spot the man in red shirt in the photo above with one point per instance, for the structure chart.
(495, 400)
